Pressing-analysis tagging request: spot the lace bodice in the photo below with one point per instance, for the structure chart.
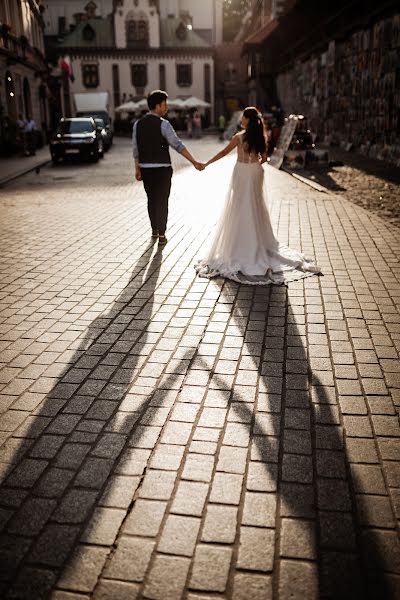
(242, 155)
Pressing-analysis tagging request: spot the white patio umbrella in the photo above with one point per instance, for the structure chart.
(194, 102)
(142, 104)
(177, 103)
(127, 107)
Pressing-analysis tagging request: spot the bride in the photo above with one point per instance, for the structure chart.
(244, 247)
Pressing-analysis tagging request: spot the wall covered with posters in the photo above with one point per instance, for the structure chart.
(351, 92)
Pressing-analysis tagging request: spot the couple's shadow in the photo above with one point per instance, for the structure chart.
(82, 450)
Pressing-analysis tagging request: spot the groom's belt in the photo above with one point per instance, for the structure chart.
(154, 165)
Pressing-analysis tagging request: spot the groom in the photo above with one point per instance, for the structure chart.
(151, 137)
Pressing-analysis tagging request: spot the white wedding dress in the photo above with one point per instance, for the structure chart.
(244, 247)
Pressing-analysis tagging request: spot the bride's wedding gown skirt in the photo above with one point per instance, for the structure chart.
(244, 247)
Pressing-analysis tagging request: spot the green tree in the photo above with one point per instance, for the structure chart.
(234, 11)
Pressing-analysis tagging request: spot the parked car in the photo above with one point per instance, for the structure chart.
(106, 133)
(77, 137)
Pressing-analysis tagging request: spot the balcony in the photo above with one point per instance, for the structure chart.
(18, 50)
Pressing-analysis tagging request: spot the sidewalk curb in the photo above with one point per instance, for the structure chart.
(309, 182)
(9, 178)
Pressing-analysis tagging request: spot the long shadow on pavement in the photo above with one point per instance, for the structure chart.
(298, 454)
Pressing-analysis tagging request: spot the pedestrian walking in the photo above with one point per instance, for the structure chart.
(21, 140)
(30, 136)
(197, 131)
(221, 126)
(151, 137)
(189, 125)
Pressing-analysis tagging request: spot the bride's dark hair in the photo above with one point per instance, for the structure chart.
(255, 135)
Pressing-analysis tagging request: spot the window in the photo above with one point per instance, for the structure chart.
(116, 90)
(137, 33)
(61, 25)
(88, 33)
(139, 76)
(184, 75)
(207, 83)
(90, 76)
(163, 79)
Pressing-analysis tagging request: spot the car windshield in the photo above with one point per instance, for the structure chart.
(75, 127)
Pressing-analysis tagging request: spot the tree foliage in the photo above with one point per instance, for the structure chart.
(234, 11)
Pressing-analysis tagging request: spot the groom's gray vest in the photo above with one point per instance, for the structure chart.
(152, 145)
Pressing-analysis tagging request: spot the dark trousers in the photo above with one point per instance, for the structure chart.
(157, 183)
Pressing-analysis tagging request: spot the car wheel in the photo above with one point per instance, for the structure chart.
(96, 154)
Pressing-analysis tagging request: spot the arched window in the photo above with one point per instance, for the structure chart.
(10, 96)
(27, 98)
(137, 31)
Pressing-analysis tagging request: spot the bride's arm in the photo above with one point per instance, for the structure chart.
(232, 144)
(264, 157)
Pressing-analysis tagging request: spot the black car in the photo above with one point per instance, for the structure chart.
(77, 137)
(105, 132)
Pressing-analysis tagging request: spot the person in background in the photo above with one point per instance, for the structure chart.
(221, 126)
(197, 125)
(30, 134)
(20, 132)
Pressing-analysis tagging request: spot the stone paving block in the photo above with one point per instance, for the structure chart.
(262, 477)
(360, 450)
(298, 580)
(341, 576)
(368, 479)
(259, 509)
(75, 506)
(110, 590)
(157, 485)
(32, 516)
(298, 539)
(167, 457)
(54, 545)
(232, 460)
(210, 568)
(297, 468)
(337, 530)
(375, 511)
(226, 488)
(176, 433)
(83, 569)
(130, 560)
(333, 494)
(198, 467)
(357, 426)
(386, 425)
(189, 498)
(145, 518)
(119, 491)
(103, 526)
(256, 549)
(251, 585)
(220, 524)
(167, 578)
(33, 582)
(179, 535)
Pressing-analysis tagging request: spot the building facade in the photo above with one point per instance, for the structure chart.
(345, 81)
(23, 69)
(129, 47)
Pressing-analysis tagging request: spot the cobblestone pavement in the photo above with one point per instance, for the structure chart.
(370, 183)
(165, 436)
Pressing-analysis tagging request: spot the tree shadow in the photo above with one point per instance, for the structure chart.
(99, 423)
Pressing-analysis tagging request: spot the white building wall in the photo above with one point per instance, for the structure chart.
(174, 91)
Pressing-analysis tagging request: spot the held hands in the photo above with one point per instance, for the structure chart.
(199, 166)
